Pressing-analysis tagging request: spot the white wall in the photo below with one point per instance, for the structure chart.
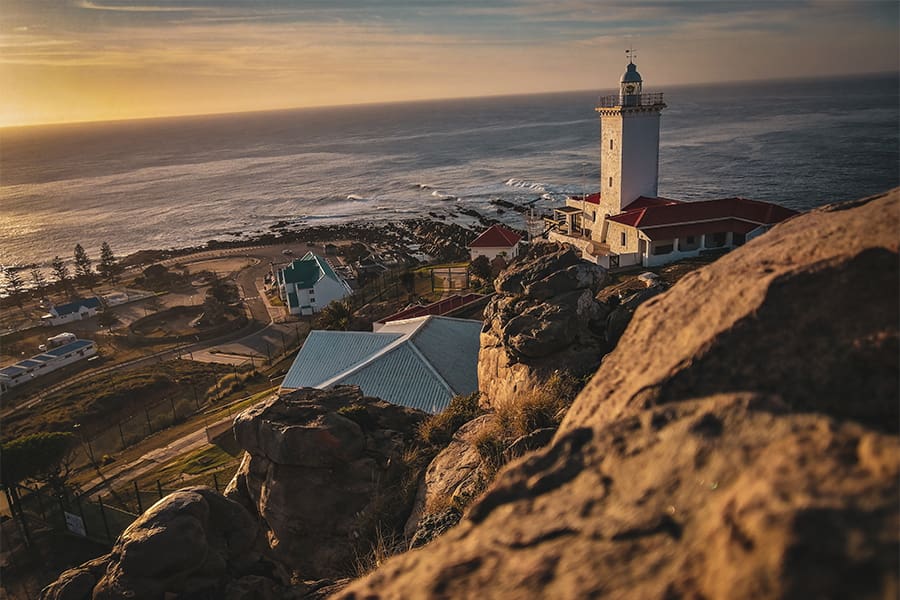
(640, 155)
(493, 253)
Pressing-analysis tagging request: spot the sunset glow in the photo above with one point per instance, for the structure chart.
(95, 60)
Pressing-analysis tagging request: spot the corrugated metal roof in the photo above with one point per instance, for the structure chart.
(459, 366)
(29, 363)
(401, 377)
(421, 363)
(327, 354)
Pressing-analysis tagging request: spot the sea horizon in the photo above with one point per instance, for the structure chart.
(180, 181)
(842, 76)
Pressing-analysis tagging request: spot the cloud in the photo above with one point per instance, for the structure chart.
(87, 4)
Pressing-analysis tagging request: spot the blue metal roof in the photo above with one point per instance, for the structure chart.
(12, 371)
(631, 75)
(72, 307)
(327, 354)
(29, 363)
(459, 367)
(420, 363)
(401, 377)
(76, 345)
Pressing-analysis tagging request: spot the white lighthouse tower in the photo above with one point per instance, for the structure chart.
(629, 144)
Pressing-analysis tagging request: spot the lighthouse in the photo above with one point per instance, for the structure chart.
(629, 144)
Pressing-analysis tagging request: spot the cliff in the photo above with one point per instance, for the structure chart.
(739, 442)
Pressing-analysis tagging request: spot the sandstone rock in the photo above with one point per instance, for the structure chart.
(725, 497)
(740, 442)
(542, 317)
(455, 468)
(77, 583)
(323, 468)
(193, 541)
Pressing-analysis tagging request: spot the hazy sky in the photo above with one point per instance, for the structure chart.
(70, 60)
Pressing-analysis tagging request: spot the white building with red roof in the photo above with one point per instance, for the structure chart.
(626, 223)
(496, 240)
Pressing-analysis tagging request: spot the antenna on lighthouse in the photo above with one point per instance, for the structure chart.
(629, 52)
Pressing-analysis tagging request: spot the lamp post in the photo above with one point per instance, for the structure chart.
(85, 442)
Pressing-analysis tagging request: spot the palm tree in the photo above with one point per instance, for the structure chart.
(338, 315)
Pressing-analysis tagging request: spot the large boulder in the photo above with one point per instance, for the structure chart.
(739, 442)
(452, 478)
(542, 317)
(324, 470)
(193, 541)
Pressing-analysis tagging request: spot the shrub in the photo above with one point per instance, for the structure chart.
(359, 415)
(438, 430)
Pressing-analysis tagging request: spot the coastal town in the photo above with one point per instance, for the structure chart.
(350, 349)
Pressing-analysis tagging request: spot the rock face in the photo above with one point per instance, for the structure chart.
(543, 317)
(192, 541)
(740, 442)
(452, 477)
(322, 469)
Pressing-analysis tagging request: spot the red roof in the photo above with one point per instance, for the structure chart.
(496, 236)
(655, 215)
(641, 202)
(590, 198)
(645, 201)
(706, 227)
(441, 307)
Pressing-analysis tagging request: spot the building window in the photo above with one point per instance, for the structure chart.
(610, 182)
(624, 239)
(610, 143)
(663, 249)
(689, 239)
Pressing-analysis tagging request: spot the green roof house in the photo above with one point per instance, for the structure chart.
(309, 284)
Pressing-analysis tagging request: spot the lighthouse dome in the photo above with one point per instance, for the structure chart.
(631, 74)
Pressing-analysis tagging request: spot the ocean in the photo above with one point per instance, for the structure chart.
(175, 182)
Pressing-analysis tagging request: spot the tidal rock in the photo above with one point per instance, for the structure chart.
(323, 470)
(543, 317)
(739, 442)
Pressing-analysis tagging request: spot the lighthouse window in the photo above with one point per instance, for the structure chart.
(610, 182)
(624, 238)
(610, 144)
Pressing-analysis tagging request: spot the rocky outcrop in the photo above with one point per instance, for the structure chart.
(192, 541)
(542, 317)
(324, 469)
(739, 442)
(452, 478)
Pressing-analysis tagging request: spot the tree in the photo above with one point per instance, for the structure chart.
(83, 270)
(338, 315)
(108, 267)
(44, 457)
(61, 272)
(40, 283)
(481, 268)
(14, 286)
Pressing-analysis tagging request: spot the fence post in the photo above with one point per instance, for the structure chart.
(159, 489)
(103, 516)
(149, 425)
(137, 494)
(121, 435)
(81, 512)
(174, 414)
(216, 482)
(41, 506)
